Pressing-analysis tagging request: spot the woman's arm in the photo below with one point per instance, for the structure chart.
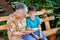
(28, 30)
(19, 33)
(14, 33)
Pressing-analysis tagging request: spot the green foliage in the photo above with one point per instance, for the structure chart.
(13, 4)
(58, 22)
(2, 23)
(48, 4)
(3, 33)
(58, 35)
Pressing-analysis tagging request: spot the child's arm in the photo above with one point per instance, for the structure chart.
(37, 37)
(40, 31)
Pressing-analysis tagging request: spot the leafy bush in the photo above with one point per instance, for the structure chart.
(3, 33)
(58, 35)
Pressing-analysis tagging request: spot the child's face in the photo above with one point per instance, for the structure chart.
(32, 13)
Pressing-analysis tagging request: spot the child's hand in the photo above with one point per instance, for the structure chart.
(41, 36)
(37, 37)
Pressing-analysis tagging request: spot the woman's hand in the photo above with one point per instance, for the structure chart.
(28, 30)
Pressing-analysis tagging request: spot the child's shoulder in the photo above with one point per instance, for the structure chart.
(37, 17)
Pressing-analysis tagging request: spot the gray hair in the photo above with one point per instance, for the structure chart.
(21, 6)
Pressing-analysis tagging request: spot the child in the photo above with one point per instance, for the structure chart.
(33, 22)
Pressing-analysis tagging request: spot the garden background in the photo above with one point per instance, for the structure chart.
(39, 4)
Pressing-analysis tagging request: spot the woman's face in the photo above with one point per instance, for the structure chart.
(21, 14)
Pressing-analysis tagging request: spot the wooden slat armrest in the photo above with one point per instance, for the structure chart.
(51, 31)
(4, 18)
(3, 27)
(48, 18)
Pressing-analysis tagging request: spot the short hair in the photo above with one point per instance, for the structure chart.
(31, 8)
(22, 6)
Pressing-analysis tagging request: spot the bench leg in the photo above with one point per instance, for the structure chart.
(53, 37)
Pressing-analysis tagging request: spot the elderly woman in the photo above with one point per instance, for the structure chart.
(16, 24)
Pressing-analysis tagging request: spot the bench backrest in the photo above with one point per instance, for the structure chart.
(45, 20)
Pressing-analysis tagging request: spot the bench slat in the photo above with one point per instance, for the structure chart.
(43, 19)
(3, 18)
(3, 27)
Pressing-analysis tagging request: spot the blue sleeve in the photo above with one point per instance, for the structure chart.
(27, 23)
(39, 21)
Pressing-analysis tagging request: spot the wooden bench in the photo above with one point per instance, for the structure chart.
(48, 31)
